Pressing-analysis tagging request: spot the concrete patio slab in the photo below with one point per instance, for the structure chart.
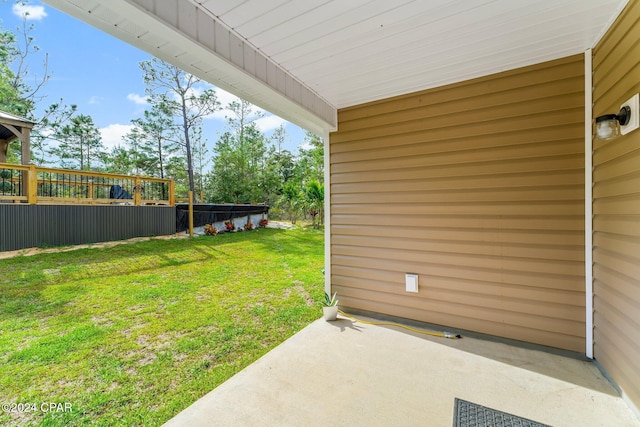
(345, 373)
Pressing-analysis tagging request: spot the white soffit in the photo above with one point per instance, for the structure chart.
(353, 51)
(357, 51)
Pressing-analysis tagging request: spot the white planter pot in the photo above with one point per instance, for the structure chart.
(330, 313)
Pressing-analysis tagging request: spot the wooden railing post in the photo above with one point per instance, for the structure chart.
(172, 193)
(191, 213)
(31, 182)
(90, 194)
(137, 190)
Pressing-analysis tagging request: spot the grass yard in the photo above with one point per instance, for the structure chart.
(133, 334)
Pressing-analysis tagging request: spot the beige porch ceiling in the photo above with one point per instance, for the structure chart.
(303, 59)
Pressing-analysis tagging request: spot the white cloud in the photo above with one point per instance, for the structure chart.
(193, 91)
(113, 134)
(305, 146)
(265, 124)
(30, 13)
(268, 123)
(95, 100)
(224, 98)
(137, 99)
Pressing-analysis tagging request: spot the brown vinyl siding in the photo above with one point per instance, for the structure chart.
(478, 187)
(616, 209)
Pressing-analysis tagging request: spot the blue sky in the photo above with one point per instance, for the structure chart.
(100, 74)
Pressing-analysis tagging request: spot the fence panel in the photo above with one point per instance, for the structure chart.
(26, 226)
(37, 185)
(12, 182)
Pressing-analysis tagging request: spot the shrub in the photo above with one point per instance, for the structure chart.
(210, 230)
(5, 187)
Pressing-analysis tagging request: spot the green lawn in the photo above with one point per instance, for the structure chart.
(133, 334)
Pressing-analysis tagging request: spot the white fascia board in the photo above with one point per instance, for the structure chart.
(231, 63)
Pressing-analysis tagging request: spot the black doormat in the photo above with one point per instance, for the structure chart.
(467, 414)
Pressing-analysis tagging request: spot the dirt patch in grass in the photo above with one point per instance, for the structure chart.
(147, 359)
(102, 321)
(39, 251)
(300, 290)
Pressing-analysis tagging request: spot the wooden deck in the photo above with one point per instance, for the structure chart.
(38, 185)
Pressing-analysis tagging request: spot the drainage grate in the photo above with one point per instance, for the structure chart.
(467, 414)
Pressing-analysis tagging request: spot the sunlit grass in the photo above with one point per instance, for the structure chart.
(132, 334)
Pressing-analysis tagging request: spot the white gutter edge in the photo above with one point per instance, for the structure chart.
(588, 200)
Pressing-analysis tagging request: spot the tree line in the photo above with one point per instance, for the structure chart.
(243, 165)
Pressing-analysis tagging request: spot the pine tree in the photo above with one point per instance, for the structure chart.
(153, 140)
(80, 143)
(200, 160)
(239, 162)
(178, 92)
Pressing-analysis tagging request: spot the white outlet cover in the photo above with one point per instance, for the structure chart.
(634, 122)
(411, 282)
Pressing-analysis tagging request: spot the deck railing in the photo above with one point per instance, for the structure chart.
(37, 185)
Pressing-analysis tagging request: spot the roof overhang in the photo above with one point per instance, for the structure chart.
(189, 37)
(11, 126)
(303, 60)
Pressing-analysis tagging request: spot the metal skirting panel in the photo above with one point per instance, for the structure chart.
(27, 226)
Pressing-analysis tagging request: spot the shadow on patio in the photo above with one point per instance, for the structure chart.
(345, 373)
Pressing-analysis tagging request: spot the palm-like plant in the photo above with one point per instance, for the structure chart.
(314, 195)
(330, 301)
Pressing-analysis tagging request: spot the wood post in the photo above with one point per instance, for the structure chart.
(25, 147)
(4, 146)
(191, 213)
(137, 192)
(30, 180)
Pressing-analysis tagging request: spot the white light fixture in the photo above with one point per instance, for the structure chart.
(609, 126)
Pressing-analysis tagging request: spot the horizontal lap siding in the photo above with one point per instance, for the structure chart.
(616, 209)
(478, 187)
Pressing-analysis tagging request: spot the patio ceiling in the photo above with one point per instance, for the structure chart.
(329, 54)
(356, 51)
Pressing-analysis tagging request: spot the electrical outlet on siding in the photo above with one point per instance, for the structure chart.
(411, 282)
